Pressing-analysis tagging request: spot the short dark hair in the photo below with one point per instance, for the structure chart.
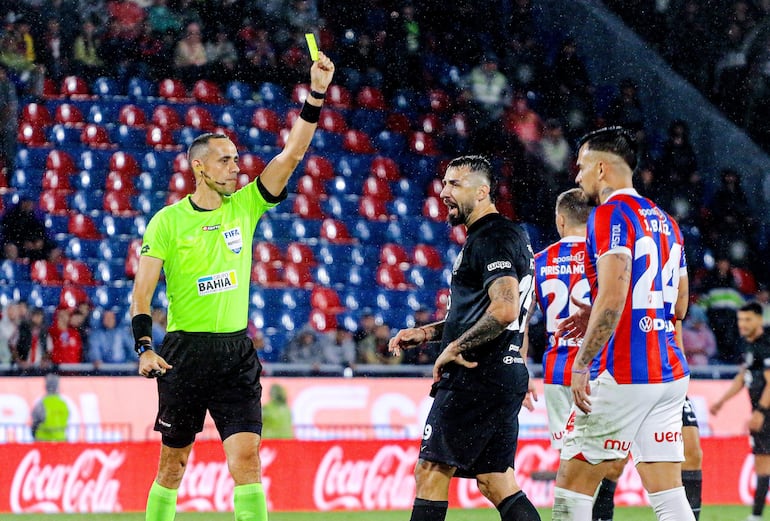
(615, 140)
(752, 307)
(575, 206)
(202, 141)
(480, 164)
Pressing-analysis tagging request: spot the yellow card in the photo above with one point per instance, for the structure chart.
(312, 46)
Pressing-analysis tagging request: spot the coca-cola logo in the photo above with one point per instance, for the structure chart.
(86, 485)
(383, 482)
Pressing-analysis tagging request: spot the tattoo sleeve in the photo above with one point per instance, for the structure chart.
(504, 297)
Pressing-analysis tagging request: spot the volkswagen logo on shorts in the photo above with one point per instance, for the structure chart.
(645, 324)
(508, 360)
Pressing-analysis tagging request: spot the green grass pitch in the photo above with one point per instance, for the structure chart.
(709, 513)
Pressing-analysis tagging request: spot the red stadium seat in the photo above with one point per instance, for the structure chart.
(300, 253)
(161, 138)
(78, 273)
(267, 275)
(298, 275)
(54, 202)
(373, 209)
(36, 114)
(95, 136)
(335, 232)
(458, 235)
(182, 164)
(745, 280)
(230, 133)
(53, 180)
(370, 98)
(182, 183)
(385, 168)
(439, 101)
(132, 258)
(31, 135)
(132, 116)
(332, 121)
(434, 188)
(68, 114)
(74, 87)
(118, 203)
(398, 123)
(266, 119)
(310, 186)
(300, 92)
(268, 252)
(394, 255)
(199, 118)
(172, 89)
(308, 207)
(291, 117)
(61, 162)
(321, 321)
(326, 299)
(251, 165)
(206, 91)
(422, 144)
(358, 142)
(119, 182)
(72, 296)
(442, 299)
(434, 209)
(430, 124)
(337, 97)
(459, 125)
(319, 167)
(391, 277)
(166, 117)
(428, 256)
(174, 197)
(82, 226)
(377, 188)
(124, 163)
(50, 89)
(45, 272)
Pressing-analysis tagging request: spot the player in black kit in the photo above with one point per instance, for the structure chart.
(480, 377)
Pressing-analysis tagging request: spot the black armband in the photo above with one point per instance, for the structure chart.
(763, 410)
(310, 113)
(317, 95)
(140, 346)
(141, 325)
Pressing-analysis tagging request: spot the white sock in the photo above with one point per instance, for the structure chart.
(671, 505)
(571, 506)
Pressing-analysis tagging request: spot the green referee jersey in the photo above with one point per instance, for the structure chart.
(207, 259)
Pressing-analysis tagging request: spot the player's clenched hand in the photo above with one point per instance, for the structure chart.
(406, 338)
(152, 365)
(321, 73)
(448, 355)
(581, 389)
(530, 397)
(575, 325)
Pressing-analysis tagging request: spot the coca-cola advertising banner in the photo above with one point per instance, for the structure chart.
(297, 475)
(317, 405)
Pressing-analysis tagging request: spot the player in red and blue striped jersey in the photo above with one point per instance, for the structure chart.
(639, 289)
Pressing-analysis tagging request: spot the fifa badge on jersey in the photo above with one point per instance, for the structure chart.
(233, 239)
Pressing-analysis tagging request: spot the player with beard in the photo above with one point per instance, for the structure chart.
(480, 376)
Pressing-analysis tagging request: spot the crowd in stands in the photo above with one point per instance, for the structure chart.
(460, 79)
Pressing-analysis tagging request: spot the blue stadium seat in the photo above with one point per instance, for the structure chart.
(353, 165)
(115, 225)
(140, 88)
(158, 162)
(12, 272)
(362, 275)
(368, 232)
(24, 179)
(81, 249)
(405, 206)
(395, 318)
(238, 92)
(304, 229)
(114, 248)
(357, 298)
(324, 141)
(421, 298)
(341, 206)
(101, 114)
(370, 121)
(273, 96)
(345, 186)
(256, 139)
(160, 297)
(44, 296)
(31, 157)
(432, 232)
(390, 144)
(235, 116)
(129, 138)
(422, 277)
(63, 136)
(86, 201)
(397, 233)
(149, 204)
(56, 223)
(349, 320)
(337, 274)
(94, 160)
(105, 87)
(106, 272)
(112, 296)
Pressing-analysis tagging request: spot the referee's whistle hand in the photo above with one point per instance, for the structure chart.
(152, 365)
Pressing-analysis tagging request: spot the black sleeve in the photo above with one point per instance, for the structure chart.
(270, 198)
(494, 256)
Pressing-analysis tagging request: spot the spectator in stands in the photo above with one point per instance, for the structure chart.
(731, 216)
(255, 45)
(339, 347)
(374, 348)
(109, 344)
(87, 61)
(426, 352)
(305, 347)
(570, 92)
(366, 325)
(689, 46)
(763, 299)
(9, 331)
(64, 343)
(124, 27)
(700, 344)
(222, 56)
(159, 321)
(190, 59)
(524, 122)
(405, 34)
(152, 51)
(24, 232)
(80, 320)
(9, 117)
(51, 414)
(55, 52)
(721, 299)
(626, 109)
(648, 185)
(487, 93)
(730, 75)
(24, 72)
(677, 161)
(302, 16)
(276, 415)
(555, 152)
(31, 349)
(162, 19)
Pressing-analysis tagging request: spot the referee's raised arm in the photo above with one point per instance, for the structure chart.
(277, 172)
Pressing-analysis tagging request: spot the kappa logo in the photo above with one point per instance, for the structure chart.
(212, 228)
(145, 249)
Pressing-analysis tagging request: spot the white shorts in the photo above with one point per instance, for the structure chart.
(558, 404)
(644, 419)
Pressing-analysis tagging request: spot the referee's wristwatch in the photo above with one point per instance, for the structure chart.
(143, 345)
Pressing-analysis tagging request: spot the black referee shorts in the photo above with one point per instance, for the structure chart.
(477, 433)
(214, 372)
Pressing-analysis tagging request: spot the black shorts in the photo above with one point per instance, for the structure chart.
(688, 414)
(475, 433)
(218, 373)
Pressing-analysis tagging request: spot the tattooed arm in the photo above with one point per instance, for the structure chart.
(503, 309)
(614, 280)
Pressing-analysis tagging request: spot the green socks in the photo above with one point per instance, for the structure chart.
(161, 503)
(249, 502)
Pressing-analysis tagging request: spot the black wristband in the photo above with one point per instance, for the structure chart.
(763, 410)
(310, 113)
(141, 325)
(317, 95)
(140, 346)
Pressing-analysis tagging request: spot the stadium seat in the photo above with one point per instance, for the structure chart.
(72, 295)
(61, 162)
(398, 123)
(199, 118)
(68, 114)
(430, 124)
(238, 92)
(745, 280)
(390, 143)
(372, 208)
(370, 98)
(394, 255)
(272, 95)
(233, 117)
(95, 136)
(113, 248)
(341, 206)
(78, 273)
(391, 277)
(335, 232)
(311, 186)
(99, 114)
(424, 277)
(266, 275)
(31, 135)
(321, 321)
(326, 299)
(385, 168)
(442, 299)
(82, 226)
(458, 235)
(251, 164)
(74, 87)
(182, 183)
(337, 97)
(332, 121)
(206, 91)
(140, 88)
(132, 258)
(439, 101)
(119, 182)
(172, 89)
(300, 253)
(124, 163)
(105, 87)
(53, 180)
(45, 272)
(422, 144)
(377, 188)
(54, 202)
(268, 252)
(319, 168)
(50, 89)
(118, 203)
(65, 137)
(160, 138)
(434, 209)
(166, 117)
(300, 92)
(12, 272)
(357, 141)
(428, 256)
(129, 138)
(435, 186)
(307, 206)
(23, 180)
(298, 275)
(266, 119)
(36, 114)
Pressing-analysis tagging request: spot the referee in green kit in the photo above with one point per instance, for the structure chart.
(203, 243)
